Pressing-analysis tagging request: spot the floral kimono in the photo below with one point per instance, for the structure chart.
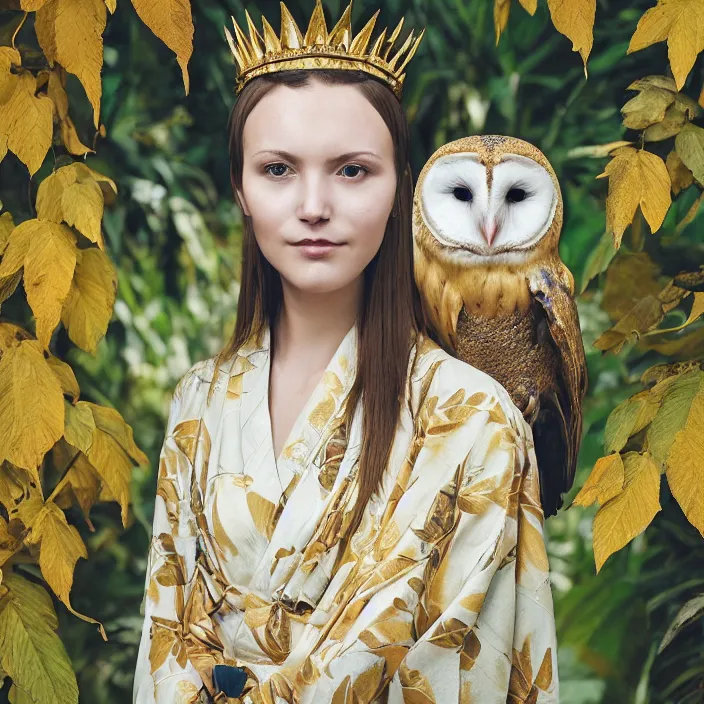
(442, 593)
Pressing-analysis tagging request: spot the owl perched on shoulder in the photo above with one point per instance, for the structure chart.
(486, 224)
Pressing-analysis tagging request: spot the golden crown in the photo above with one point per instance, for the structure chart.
(267, 53)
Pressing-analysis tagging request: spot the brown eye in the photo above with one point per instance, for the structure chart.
(463, 193)
(516, 195)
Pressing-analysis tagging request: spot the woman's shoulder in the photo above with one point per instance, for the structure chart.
(451, 378)
(199, 373)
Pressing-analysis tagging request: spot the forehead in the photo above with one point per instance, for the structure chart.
(316, 117)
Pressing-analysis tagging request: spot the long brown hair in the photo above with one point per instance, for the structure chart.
(391, 310)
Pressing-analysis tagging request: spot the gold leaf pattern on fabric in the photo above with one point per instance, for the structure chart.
(416, 688)
(186, 435)
(277, 634)
(263, 512)
(441, 516)
(321, 414)
(473, 602)
(222, 537)
(345, 693)
(450, 634)
(543, 679)
(471, 648)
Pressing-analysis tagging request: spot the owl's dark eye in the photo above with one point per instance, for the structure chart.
(516, 195)
(462, 193)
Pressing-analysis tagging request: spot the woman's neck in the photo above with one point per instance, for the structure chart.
(311, 326)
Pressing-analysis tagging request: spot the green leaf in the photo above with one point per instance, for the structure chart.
(673, 414)
(30, 650)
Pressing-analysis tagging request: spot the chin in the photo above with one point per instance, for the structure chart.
(321, 283)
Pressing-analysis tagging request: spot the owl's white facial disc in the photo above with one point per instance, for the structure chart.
(473, 218)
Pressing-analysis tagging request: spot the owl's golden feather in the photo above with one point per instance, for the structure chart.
(514, 317)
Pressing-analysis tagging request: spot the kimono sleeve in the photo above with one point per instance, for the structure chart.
(485, 623)
(163, 674)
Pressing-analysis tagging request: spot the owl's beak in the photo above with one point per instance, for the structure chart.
(489, 231)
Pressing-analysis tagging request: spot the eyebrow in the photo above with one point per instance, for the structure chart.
(342, 157)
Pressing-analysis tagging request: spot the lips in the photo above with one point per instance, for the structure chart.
(321, 243)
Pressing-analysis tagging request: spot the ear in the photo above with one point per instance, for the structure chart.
(241, 202)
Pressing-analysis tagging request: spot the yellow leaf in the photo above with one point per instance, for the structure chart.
(32, 5)
(8, 80)
(636, 177)
(26, 122)
(57, 92)
(575, 19)
(60, 548)
(647, 108)
(502, 10)
(65, 376)
(111, 5)
(79, 425)
(7, 225)
(48, 272)
(685, 469)
(674, 411)
(689, 144)
(50, 192)
(171, 21)
(11, 336)
(604, 483)
(114, 467)
(82, 206)
(629, 418)
(30, 422)
(37, 660)
(83, 480)
(630, 277)
(679, 22)
(630, 512)
(8, 283)
(680, 176)
(71, 33)
(111, 422)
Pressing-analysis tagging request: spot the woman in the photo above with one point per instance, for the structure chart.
(344, 512)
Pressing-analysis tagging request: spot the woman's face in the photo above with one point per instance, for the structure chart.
(318, 164)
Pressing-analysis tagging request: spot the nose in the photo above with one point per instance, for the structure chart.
(314, 203)
(489, 231)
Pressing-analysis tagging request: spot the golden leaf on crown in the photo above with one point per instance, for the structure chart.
(317, 49)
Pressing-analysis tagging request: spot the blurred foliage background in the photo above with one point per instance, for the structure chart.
(173, 233)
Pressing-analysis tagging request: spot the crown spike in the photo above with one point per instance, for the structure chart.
(394, 60)
(376, 47)
(245, 47)
(291, 37)
(234, 49)
(317, 32)
(411, 52)
(359, 43)
(341, 33)
(255, 38)
(271, 40)
(392, 40)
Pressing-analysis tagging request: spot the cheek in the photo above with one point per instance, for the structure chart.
(368, 211)
(267, 207)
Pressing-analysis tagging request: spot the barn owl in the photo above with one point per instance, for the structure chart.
(487, 215)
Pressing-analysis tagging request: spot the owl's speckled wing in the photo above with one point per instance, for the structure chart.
(551, 287)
